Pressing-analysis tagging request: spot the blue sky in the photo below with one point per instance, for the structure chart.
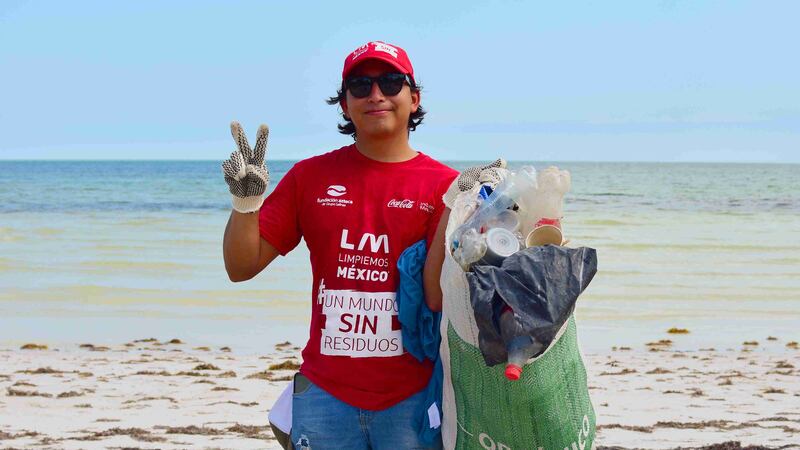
(597, 81)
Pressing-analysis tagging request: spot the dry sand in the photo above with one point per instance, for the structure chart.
(663, 399)
(143, 395)
(148, 394)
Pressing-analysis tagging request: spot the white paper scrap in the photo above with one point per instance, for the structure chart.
(281, 413)
(433, 416)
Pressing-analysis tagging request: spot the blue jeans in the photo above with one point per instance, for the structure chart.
(320, 421)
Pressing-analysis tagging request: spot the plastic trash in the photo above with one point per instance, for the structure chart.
(503, 197)
(540, 284)
(511, 190)
(470, 247)
(541, 212)
(500, 244)
(520, 346)
(484, 192)
(507, 219)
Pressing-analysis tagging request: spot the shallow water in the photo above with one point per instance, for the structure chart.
(105, 252)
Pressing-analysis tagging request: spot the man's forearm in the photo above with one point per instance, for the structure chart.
(432, 272)
(241, 246)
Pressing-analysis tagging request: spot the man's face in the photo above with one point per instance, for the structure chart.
(378, 115)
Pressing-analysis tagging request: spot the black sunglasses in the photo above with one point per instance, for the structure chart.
(389, 83)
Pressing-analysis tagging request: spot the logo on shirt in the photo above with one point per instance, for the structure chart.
(404, 203)
(336, 190)
(375, 242)
(359, 324)
(355, 265)
(332, 197)
(427, 207)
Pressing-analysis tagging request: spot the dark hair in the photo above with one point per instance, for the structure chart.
(348, 127)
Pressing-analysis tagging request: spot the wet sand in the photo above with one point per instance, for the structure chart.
(151, 394)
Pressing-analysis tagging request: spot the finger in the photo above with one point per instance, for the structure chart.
(260, 150)
(241, 140)
(257, 180)
(497, 163)
(235, 166)
(468, 177)
(490, 175)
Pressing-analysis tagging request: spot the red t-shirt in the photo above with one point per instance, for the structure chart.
(357, 215)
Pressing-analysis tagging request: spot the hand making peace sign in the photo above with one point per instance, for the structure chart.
(245, 172)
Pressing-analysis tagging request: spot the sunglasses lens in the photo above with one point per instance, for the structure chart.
(392, 83)
(359, 87)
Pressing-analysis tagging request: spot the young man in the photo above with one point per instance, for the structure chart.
(357, 208)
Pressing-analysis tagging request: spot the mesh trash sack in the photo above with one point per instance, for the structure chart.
(541, 285)
(547, 408)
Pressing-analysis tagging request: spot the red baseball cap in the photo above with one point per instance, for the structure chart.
(382, 51)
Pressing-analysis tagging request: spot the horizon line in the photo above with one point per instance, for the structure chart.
(621, 161)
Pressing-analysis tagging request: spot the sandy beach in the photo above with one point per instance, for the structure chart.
(169, 394)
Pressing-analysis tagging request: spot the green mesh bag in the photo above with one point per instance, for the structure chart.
(548, 408)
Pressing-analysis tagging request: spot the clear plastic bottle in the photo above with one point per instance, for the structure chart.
(510, 191)
(547, 202)
(520, 346)
(503, 197)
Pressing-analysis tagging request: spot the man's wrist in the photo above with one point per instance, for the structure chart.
(247, 204)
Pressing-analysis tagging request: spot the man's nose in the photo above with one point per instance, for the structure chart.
(375, 93)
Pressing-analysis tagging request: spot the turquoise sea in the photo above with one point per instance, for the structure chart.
(109, 251)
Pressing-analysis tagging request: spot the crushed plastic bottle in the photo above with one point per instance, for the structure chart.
(520, 346)
(470, 247)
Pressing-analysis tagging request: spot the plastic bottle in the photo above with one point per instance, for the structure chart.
(520, 346)
(503, 197)
(547, 202)
(471, 246)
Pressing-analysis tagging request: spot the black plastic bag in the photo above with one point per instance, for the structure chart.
(541, 285)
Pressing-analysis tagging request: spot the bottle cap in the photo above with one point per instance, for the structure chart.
(513, 372)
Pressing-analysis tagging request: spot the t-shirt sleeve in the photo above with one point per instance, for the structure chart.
(278, 222)
(439, 207)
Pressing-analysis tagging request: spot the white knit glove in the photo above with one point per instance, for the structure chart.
(245, 172)
(491, 173)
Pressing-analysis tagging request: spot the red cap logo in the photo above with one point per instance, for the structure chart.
(382, 51)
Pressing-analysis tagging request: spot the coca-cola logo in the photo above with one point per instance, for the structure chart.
(405, 203)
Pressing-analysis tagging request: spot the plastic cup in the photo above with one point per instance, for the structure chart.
(506, 219)
(546, 231)
(500, 244)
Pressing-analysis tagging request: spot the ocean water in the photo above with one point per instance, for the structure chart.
(109, 251)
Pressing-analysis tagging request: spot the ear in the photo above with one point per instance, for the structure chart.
(416, 98)
(343, 105)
